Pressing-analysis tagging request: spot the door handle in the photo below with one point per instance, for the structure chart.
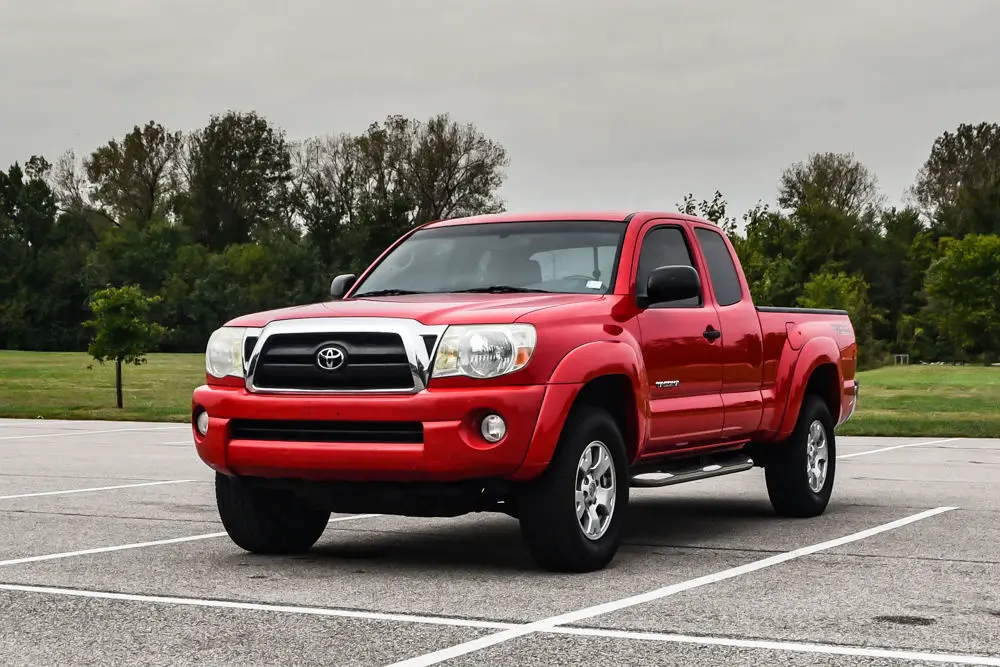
(712, 334)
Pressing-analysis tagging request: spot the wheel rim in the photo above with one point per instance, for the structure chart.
(596, 488)
(817, 456)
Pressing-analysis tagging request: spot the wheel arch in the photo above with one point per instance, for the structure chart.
(608, 374)
(614, 393)
(816, 371)
(824, 382)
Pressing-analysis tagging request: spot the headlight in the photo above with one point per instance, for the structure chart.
(224, 353)
(484, 350)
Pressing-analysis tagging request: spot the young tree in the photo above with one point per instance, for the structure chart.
(123, 328)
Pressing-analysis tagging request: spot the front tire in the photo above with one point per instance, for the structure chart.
(800, 473)
(572, 515)
(267, 521)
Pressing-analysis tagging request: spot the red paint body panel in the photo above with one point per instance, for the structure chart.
(746, 385)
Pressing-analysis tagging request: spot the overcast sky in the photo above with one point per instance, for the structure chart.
(601, 103)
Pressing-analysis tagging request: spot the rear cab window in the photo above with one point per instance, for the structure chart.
(721, 268)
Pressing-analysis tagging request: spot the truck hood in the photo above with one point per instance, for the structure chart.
(429, 309)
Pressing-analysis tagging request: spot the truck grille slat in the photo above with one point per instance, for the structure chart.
(327, 431)
(374, 361)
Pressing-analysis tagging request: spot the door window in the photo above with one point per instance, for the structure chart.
(664, 246)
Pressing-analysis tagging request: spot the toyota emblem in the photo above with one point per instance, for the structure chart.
(330, 358)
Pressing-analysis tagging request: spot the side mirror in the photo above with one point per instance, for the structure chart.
(672, 283)
(340, 285)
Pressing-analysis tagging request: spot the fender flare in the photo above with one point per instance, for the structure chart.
(590, 360)
(578, 367)
(816, 352)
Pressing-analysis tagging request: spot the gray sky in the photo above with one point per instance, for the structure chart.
(601, 103)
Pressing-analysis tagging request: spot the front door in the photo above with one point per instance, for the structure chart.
(681, 349)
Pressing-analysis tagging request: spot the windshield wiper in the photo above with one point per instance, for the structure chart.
(499, 289)
(387, 292)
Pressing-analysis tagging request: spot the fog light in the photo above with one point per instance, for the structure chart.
(493, 428)
(201, 422)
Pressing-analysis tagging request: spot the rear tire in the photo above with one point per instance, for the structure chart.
(267, 521)
(800, 471)
(584, 488)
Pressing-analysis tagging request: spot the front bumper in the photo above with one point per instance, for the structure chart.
(451, 447)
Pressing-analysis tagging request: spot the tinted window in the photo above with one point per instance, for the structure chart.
(663, 246)
(721, 270)
(561, 256)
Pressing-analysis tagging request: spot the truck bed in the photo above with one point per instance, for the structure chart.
(803, 311)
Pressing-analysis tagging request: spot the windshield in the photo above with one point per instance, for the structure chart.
(562, 256)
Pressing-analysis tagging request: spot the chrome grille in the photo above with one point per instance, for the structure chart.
(380, 355)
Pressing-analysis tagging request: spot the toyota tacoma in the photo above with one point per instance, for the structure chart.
(534, 365)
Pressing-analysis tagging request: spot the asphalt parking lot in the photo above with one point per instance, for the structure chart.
(111, 551)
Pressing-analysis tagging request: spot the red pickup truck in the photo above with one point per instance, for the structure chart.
(534, 365)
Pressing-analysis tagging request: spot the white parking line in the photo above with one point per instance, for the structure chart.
(64, 435)
(96, 488)
(253, 606)
(101, 550)
(589, 612)
(886, 449)
(140, 545)
(799, 647)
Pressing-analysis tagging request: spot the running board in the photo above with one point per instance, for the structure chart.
(690, 474)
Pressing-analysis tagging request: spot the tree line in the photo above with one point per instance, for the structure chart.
(234, 217)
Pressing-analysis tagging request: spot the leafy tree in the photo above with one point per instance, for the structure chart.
(837, 289)
(833, 200)
(135, 256)
(123, 331)
(451, 169)
(28, 203)
(766, 254)
(714, 211)
(833, 180)
(199, 295)
(883, 256)
(963, 288)
(958, 187)
(324, 187)
(41, 299)
(238, 174)
(134, 180)
(357, 194)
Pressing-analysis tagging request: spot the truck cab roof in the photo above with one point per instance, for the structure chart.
(567, 215)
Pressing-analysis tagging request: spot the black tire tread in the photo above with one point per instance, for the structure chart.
(546, 508)
(267, 522)
(784, 470)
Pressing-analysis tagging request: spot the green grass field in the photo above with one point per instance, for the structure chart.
(943, 401)
(946, 401)
(59, 385)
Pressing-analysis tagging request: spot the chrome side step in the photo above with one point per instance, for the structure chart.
(690, 474)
